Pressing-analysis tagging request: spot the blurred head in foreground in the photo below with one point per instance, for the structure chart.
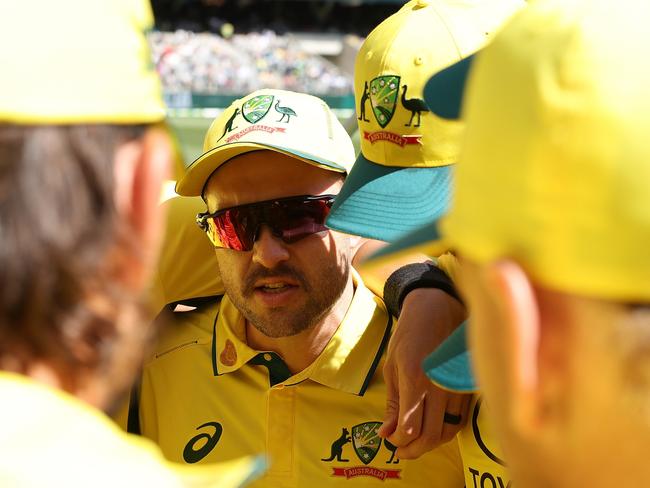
(551, 218)
(82, 159)
(551, 221)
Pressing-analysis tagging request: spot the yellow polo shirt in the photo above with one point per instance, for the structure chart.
(49, 438)
(187, 265)
(206, 396)
(480, 450)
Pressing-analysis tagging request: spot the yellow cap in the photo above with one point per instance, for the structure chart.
(555, 171)
(296, 124)
(77, 61)
(393, 65)
(402, 176)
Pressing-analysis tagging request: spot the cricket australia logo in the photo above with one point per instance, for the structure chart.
(383, 98)
(383, 93)
(256, 108)
(365, 440)
(366, 444)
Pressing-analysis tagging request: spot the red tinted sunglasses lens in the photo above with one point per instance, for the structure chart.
(297, 220)
(234, 229)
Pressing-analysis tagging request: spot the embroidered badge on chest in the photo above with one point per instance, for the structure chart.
(366, 444)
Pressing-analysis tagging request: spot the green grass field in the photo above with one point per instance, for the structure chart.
(190, 132)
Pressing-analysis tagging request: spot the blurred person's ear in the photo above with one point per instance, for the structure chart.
(141, 167)
(536, 328)
(517, 311)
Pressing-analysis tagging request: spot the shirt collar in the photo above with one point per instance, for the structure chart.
(347, 362)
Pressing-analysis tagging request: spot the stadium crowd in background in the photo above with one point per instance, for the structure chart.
(356, 17)
(207, 63)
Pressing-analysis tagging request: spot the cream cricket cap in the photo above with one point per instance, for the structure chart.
(401, 179)
(295, 124)
(77, 61)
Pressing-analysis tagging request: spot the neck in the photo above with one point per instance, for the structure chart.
(300, 350)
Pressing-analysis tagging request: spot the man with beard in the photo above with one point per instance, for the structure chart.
(288, 362)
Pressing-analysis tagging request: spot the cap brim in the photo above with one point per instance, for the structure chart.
(443, 93)
(197, 174)
(425, 240)
(449, 366)
(385, 202)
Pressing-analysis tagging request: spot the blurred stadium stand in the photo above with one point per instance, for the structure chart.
(210, 52)
(205, 64)
(282, 16)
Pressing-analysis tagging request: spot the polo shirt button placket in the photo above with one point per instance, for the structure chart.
(280, 423)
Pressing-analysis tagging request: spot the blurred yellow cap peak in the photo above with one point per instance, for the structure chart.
(77, 61)
(556, 164)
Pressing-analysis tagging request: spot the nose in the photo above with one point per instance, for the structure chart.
(268, 249)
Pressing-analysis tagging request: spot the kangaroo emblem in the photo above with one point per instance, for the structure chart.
(392, 448)
(337, 447)
(362, 104)
(229, 127)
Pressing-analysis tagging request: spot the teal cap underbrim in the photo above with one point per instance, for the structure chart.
(417, 241)
(449, 366)
(443, 93)
(385, 202)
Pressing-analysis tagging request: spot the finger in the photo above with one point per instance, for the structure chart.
(392, 404)
(431, 431)
(458, 409)
(409, 417)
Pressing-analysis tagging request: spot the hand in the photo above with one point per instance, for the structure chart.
(415, 407)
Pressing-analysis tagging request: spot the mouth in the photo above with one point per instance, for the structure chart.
(274, 292)
(275, 284)
(277, 287)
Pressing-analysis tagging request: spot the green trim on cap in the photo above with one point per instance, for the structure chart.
(199, 171)
(444, 91)
(310, 158)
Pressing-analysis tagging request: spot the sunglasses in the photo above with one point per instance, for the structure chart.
(290, 219)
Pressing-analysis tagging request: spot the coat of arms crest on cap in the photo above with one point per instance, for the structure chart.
(383, 98)
(254, 109)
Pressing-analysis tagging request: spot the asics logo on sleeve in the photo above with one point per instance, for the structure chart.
(202, 444)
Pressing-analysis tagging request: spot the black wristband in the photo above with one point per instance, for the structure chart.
(413, 276)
